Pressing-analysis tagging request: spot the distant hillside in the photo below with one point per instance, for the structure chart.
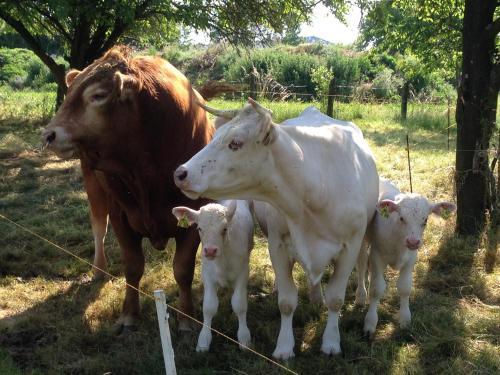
(315, 39)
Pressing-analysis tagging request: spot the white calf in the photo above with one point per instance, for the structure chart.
(395, 235)
(226, 232)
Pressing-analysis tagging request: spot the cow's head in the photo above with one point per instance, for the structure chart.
(212, 221)
(98, 105)
(229, 166)
(409, 213)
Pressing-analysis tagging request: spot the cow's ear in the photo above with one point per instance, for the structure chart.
(268, 129)
(182, 213)
(125, 85)
(71, 75)
(443, 209)
(231, 209)
(386, 206)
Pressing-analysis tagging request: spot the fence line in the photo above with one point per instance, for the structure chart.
(147, 294)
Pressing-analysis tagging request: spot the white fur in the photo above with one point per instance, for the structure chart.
(232, 235)
(388, 237)
(323, 185)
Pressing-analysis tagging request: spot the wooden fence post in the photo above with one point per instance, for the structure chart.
(331, 92)
(253, 84)
(404, 100)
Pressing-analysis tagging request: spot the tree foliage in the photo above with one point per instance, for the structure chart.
(431, 30)
(86, 29)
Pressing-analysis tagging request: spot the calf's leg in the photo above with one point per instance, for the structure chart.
(377, 288)
(210, 305)
(404, 289)
(239, 303)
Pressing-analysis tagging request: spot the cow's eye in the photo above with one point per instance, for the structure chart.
(98, 96)
(235, 145)
(224, 231)
(402, 220)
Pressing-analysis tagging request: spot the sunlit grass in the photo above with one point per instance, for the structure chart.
(53, 320)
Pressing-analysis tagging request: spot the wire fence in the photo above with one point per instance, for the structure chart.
(147, 295)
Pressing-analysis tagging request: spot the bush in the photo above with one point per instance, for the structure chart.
(386, 84)
(21, 68)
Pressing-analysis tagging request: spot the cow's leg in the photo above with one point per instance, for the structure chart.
(287, 295)
(98, 202)
(210, 305)
(187, 242)
(239, 303)
(335, 294)
(404, 289)
(133, 261)
(377, 288)
(361, 266)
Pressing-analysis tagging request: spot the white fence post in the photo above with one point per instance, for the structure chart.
(166, 341)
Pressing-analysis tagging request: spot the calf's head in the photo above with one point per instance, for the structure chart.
(228, 167)
(408, 214)
(212, 221)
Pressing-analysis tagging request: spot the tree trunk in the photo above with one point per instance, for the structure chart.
(476, 113)
(331, 92)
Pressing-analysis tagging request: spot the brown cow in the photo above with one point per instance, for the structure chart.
(132, 121)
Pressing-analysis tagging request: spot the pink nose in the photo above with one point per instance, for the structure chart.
(412, 243)
(210, 251)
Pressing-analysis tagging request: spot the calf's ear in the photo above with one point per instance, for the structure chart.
(185, 212)
(70, 76)
(230, 210)
(386, 206)
(443, 209)
(125, 85)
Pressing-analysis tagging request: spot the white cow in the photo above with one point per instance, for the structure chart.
(395, 235)
(226, 232)
(322, 180)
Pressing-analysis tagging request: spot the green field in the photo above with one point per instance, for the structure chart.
(54, 320)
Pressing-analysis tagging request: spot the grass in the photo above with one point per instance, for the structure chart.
(53, 320)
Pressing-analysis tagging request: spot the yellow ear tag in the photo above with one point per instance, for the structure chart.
(445, 213)
(384, 211)
(183, 222)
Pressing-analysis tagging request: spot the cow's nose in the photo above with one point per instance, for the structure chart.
(210, 251)
(181, 173)
(50, 137)
(412, 243)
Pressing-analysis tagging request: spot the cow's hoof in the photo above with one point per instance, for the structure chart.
(187, 326)
(369, 335)
(331, 348)
(283, 354)
(121, 329)
(202, 349)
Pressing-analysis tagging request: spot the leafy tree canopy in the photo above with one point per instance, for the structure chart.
(429, 29)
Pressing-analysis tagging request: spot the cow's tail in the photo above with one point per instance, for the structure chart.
(211, 89)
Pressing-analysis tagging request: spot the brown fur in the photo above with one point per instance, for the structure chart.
(129, 150)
